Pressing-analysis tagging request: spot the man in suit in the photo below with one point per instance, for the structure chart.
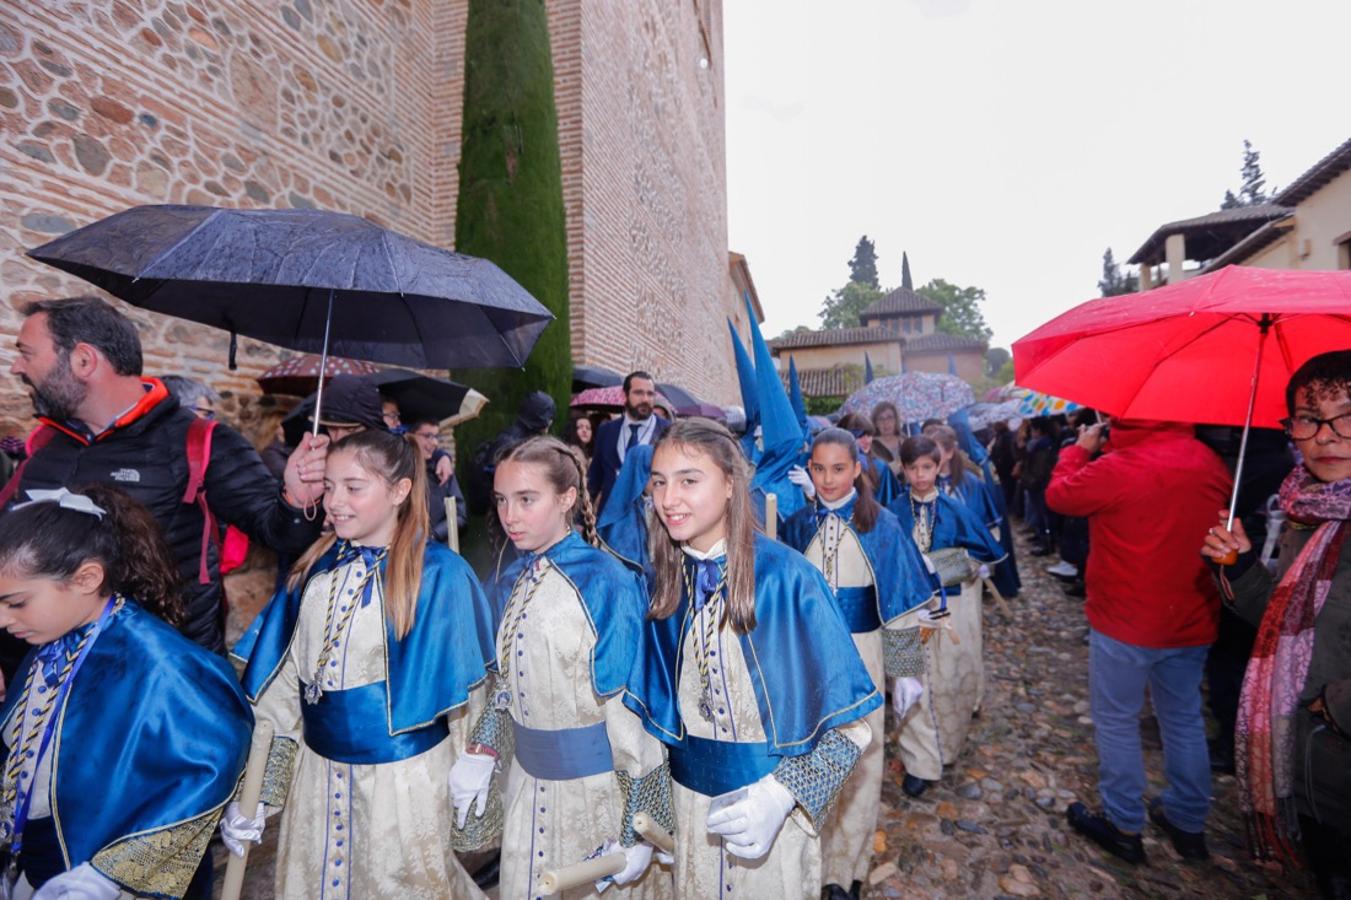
(614, 438)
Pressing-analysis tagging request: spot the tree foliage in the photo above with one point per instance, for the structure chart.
(961, 309)
(510, 204)
(1114, 281)
(995, 358)
(1253, 191)
(843, 307)
(863, 265)
(905, 272)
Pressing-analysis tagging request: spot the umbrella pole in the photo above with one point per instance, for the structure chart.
(1263, 327)
(323, 366)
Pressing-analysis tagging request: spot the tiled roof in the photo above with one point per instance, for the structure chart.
(1245, 248)
(1323, 171)
(900, 302)
(942, 343)
(834, 337)
(1210, 235)
(837, 381)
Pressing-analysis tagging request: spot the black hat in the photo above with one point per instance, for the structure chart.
(351, 400)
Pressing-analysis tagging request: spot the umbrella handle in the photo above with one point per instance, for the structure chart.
(1263, 326)
(323, 366)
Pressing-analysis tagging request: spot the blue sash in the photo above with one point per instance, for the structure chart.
(565, 753)
(716, 767)
(858, 605)
(350, 727)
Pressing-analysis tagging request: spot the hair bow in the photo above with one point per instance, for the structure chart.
(64, 499)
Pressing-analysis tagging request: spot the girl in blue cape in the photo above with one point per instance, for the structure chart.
(368, 664)
(747, 673)
(123, 740)
(578, 765)
(943, 651)
(622, 526)
(877, 577)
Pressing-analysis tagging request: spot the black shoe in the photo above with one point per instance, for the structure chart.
(1075, 590)
(1221, 756)
(1098, 829)
(1188, 844)
(1039, 550)
(914, 787)
(834, 892)
(487, 875)
(855, 889)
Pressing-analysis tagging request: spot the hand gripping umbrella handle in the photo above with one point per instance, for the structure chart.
(555, 881)
(248, 801)
(1264, 325)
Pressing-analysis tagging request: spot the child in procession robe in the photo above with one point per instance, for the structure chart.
(123, 740)
(747, 673)
(369, 664)
(944, 647)
(578, 765)
(877, 577)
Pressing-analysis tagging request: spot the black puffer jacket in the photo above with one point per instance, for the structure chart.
(147, 458)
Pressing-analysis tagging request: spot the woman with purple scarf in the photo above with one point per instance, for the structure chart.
(1293, 740)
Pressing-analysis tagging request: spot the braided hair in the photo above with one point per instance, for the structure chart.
(565, 467)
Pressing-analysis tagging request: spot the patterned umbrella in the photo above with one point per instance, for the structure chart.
(1034, 405)
(607, 398)
(917, 395)
(299, 375)
(983, 415)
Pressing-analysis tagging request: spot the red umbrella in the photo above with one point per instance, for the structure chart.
(1217, 349)
(299, 375)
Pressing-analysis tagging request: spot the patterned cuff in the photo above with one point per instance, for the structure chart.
(902, 653)
(493, 729)
(815, 778)
(160, 863)
(281, 760)
(649, 794)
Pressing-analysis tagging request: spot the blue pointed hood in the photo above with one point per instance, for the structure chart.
(795, 398)
(745, 375)
(778, 423)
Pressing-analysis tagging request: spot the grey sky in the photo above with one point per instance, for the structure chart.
(1005, 144)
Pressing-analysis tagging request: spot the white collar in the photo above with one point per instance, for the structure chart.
(718, 549)
(836, 504)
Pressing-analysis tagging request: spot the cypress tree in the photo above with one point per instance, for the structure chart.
(905, 272)
(510, 204)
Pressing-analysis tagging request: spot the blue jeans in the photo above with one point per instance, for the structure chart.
(1117, 675)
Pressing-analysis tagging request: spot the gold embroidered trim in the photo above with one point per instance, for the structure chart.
(161, 862)
(281, 760)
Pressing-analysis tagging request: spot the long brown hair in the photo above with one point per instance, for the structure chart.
(865, 507)
(565, 467)
(45, 540)
(946, 438)
(712, 439)
(390, 458)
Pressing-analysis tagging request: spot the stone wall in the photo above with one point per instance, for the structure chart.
(354, 105)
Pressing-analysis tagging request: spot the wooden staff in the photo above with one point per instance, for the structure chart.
(555, 881)
(999, 598)
(772, 516)
(452, 532)
(248, 802)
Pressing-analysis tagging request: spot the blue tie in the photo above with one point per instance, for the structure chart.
(52, 657)
(708, 575)
(370, 557)
(633, 437)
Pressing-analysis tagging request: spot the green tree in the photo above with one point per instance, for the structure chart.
(961, 309)
(863, 266)
(995, 358)
(1113, 281)
(792, 331)
(843, 307)
(905, 272)
(1253, 191)
(1005, 373)
(510, 204)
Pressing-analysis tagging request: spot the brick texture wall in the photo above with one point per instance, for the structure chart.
(354, 105)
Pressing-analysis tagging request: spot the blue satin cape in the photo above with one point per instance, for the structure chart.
(623, 523)
(155, 733)
(431, 670)
(806, 673)
(612, 597)
(901, 578)
(955, 526)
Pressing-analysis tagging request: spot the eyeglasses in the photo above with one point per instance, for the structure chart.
(1301, 428)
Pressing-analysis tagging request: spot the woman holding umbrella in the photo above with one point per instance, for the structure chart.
(1293, 750)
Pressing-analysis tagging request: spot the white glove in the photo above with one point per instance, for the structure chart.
(237, 829)
(749, 826)
(469, 780)
(637, 859)
(905, 693)
(81, 883)
(983, 571)
(799, 477)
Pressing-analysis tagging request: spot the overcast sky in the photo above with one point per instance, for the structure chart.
(1007, 144)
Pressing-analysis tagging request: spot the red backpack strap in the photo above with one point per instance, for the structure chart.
(199, 457)
(41, 437)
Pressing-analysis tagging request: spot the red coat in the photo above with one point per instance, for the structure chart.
(1149, 500)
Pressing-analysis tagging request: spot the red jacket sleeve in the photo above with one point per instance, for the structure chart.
(1080, 487)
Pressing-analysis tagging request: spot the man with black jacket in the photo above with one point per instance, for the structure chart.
(105, 423)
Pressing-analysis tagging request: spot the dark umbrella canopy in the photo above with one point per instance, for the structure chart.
(299, 375)
(584, 377)
(269, 275)
(682, 398)
(420, 396)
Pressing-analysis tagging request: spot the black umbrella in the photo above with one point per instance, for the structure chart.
(584, 377)
(310, 280)
(682, 398)
(423, 397)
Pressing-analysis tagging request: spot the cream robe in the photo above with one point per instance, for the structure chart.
(703, 869)
(847, 838)
(361, 831)
(552, 824)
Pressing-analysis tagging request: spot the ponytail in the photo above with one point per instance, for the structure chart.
(47, 540)
(565, 467)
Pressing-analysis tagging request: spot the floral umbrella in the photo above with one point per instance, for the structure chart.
(607, 398)
(916, 395)
(1034, 404)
